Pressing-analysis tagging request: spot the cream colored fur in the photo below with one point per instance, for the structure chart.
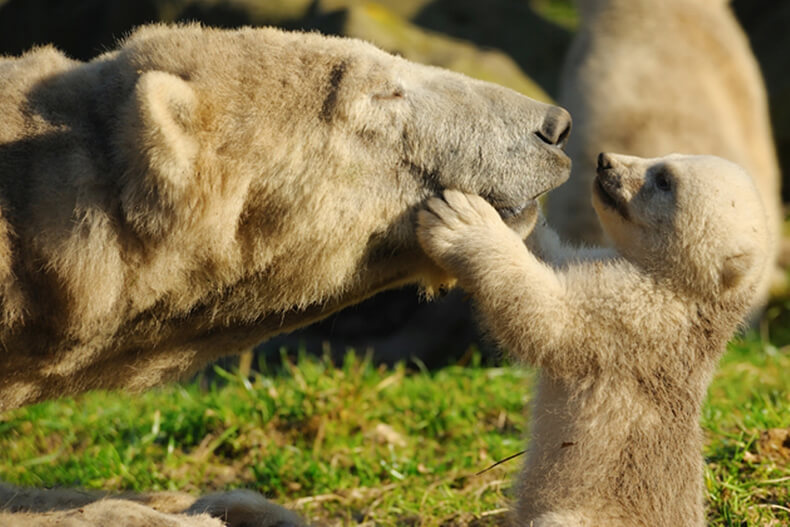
(649, 78)
(72, 508)
(626, 339)
(197, 190)
(110, 512)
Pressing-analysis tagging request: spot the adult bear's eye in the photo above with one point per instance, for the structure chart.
(663, 182)
(389, 95)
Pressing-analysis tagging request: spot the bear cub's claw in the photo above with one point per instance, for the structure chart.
(457, 223)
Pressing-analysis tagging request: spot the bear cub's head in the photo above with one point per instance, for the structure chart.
(695, 221)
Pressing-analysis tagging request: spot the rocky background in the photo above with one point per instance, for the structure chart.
(516, 43)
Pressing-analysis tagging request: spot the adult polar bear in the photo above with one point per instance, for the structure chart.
(197, 190)
(651, 78)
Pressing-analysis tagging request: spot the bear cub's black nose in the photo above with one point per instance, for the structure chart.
(604, 161)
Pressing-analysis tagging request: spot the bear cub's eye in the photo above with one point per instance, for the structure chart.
(663, 182)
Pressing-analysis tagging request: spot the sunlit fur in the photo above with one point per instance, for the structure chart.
(198, 190)
(650, 78)
(626, 339)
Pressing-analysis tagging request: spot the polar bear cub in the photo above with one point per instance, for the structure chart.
(627, 338)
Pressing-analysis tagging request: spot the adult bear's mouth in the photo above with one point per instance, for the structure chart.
(512, 205)
(507, 211)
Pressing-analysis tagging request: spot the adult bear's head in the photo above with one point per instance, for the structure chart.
(198, 190)
(299, 147)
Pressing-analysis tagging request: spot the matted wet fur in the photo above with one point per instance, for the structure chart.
(198, 190)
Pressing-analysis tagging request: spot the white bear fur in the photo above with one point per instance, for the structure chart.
(650, 78)
(626, 339)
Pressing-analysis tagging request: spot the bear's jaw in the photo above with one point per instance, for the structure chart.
(509, 212)
(605, 190)
(511, 206)
(507, 203)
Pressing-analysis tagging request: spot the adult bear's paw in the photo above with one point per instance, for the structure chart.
(246, 508)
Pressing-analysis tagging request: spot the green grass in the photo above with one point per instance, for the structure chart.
(748, 483)
(561, 12)
(356, 443)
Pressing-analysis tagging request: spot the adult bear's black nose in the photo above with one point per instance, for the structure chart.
(556, 127)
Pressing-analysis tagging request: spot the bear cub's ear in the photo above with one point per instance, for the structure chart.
(735, 268)
(161, 146)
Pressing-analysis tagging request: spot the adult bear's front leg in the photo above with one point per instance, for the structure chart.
(244, 508)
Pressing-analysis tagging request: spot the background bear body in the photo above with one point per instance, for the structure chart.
(654, 78)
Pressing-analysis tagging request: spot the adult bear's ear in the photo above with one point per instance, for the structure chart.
(160, 148)
(167, 107)
(735, 268)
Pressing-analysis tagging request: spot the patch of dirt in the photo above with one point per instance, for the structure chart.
(774, 444)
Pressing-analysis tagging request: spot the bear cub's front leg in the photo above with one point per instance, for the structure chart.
(460, 232)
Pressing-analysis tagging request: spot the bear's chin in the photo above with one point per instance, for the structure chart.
(609, 201)
(508, 212)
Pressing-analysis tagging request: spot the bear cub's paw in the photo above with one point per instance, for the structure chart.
(459, 226)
